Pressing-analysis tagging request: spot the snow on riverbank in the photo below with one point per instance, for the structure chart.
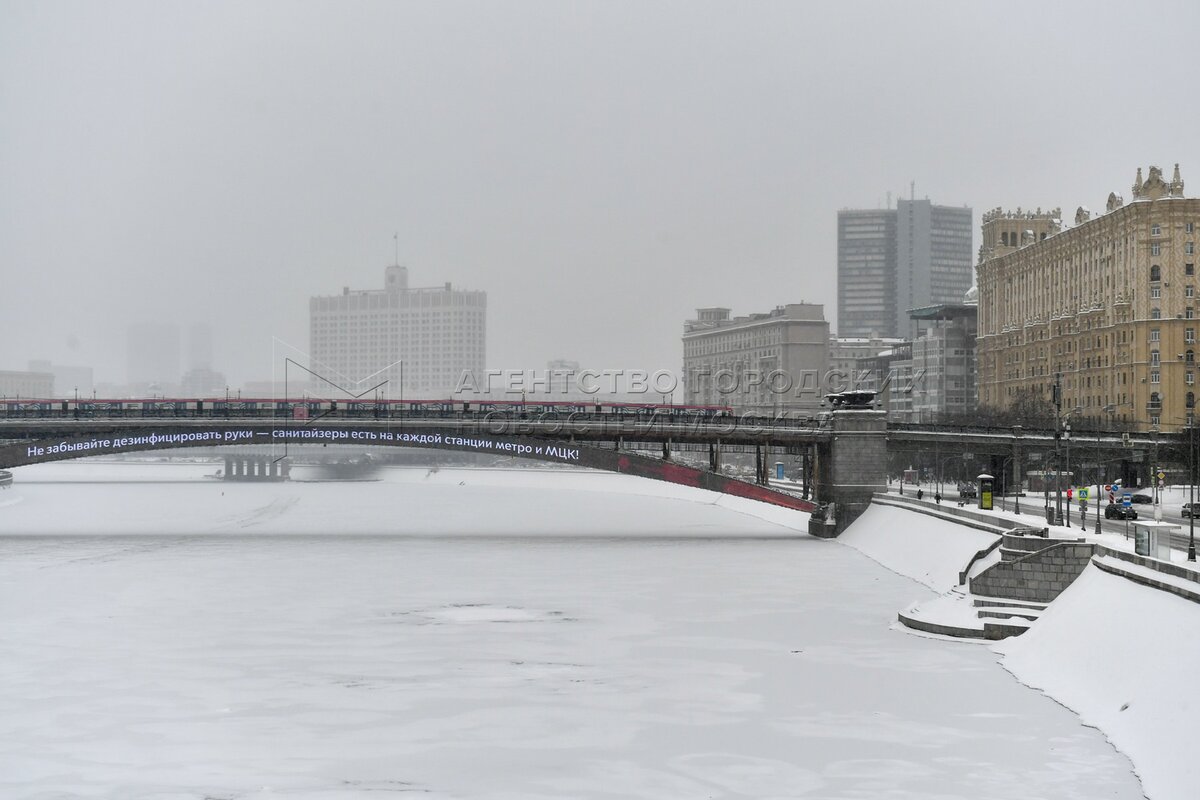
(1125, 658)
(1121, 655)
(927, 549)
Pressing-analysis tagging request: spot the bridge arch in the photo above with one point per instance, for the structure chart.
(141, 438)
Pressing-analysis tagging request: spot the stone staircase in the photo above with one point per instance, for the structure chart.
(1007, 597)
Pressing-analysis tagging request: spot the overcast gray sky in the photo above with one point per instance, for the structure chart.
(600, 169)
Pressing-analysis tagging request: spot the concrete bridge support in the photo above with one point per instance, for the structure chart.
(256, 468)
(850, 468)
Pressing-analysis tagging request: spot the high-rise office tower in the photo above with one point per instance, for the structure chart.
(893, 260)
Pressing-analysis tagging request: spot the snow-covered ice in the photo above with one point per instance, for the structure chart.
(184, 645)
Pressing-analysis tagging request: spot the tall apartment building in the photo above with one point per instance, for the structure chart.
(892, 260)
(1109, 304)
(767, 363)
(420, 340)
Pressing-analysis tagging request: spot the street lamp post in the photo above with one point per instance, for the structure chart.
(1058, 515)
(1192, 492)
(1067, 437)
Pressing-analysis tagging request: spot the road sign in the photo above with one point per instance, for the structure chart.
(1161, 475)
(1085, 493)
(1127, 499)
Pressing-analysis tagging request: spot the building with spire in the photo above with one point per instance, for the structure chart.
(1105, 307)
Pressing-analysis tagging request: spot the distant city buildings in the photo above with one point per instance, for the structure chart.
(929, 379)
(419, 340)
(153, 363)
(68, 381)
(893, 260)
(1107, 307)
(203, 382)
(846, 355)
(768, 362)
(26, 385)
(943, 361)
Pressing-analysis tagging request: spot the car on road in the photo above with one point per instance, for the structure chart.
(1186, 512)
(1143, 499)
(1118, 511)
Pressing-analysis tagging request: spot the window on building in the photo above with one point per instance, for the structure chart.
(1156, 249)
(1155, 313)
(1156, 230)
(1155, 272)
(1154, 421)
(1189, 227)
(1189, 269)
(1190, 378)
(1189, 248)
(1190, 356)
(1154, 358)
(1154, 334)
(1191, 400)
(1189, 313)
(1189, 335)
(1155, 293)
(1155, 376)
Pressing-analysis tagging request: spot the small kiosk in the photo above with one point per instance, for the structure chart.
(1153, 539)
(987, 485)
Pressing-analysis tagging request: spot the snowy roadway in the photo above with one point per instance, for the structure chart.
(476, 634)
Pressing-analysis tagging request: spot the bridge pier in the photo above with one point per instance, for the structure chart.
(256, 468)
(850, 467)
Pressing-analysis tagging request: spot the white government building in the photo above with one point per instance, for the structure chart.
(420, 340)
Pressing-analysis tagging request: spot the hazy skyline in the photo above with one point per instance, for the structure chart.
(601, 170)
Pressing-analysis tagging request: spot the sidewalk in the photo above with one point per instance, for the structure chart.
(1033, 514)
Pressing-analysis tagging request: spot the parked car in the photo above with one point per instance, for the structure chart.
(1186, 512)
(966, 491)
(1143, 499)
(1118, 511)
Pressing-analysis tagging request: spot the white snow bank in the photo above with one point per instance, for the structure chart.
(1125, 658)
(924, 548)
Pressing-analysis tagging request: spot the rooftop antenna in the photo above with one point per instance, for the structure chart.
(889, 200)
(912, 190)
(396, 240)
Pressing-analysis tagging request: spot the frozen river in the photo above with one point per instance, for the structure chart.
(283, 641)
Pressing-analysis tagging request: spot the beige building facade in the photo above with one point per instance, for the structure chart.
(1109, 304)
(768, 363)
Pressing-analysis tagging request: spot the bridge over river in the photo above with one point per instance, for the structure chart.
(845, 452)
